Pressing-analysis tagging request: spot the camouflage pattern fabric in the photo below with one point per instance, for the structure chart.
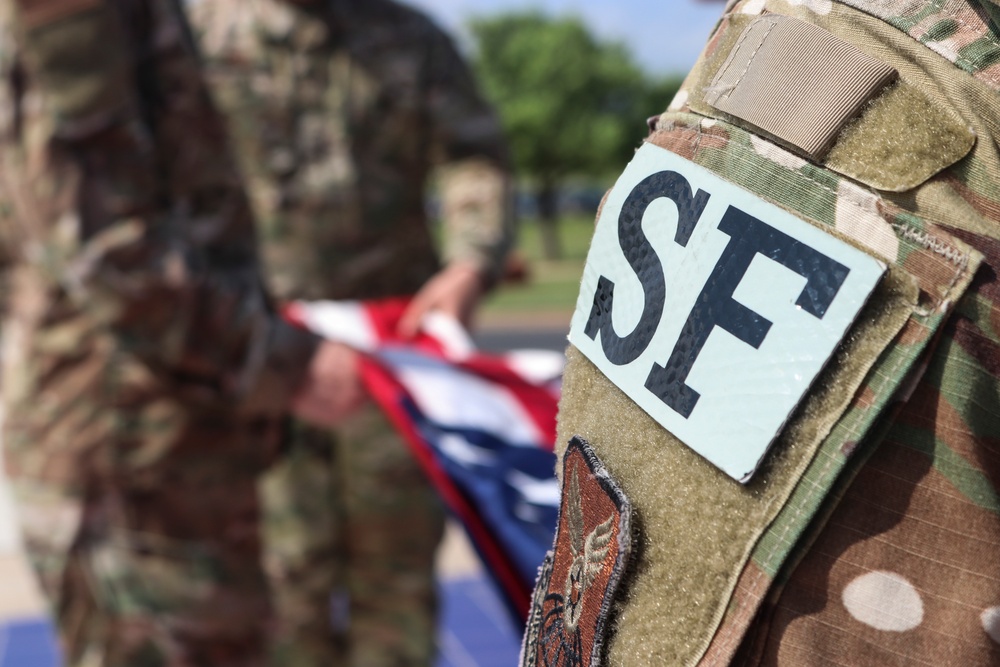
(881, 547)
(343, 113)
(961, 31)
(143, 366)
(350, 514)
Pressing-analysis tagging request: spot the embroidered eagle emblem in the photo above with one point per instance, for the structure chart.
(578, 581)
(588, 556)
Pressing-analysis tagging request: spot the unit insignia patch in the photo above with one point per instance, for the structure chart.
(579, 579)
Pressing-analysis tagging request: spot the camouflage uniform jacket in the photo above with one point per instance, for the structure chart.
(341, 113)
(133, 285)
(870, 533)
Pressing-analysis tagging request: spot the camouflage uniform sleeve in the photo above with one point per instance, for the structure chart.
(130, 157)
(474, 167)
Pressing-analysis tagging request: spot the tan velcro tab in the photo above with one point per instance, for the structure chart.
(36, 13)
(796, 82)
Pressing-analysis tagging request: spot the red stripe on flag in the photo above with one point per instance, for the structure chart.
(385, 314)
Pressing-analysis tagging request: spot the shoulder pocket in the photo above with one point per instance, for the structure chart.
(704, 533)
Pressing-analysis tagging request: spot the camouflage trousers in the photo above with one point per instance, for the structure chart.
(147, 548)
(350, 517)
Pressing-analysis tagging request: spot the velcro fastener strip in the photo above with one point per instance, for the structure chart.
(36, 13)
(796, 82)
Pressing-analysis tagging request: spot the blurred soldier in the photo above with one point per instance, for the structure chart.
(144, 369)
(781, 414)
(342, 110)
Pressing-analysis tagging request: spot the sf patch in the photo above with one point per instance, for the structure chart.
(577, 583)
(711, 308)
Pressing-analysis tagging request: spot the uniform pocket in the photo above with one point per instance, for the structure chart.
(704, 536)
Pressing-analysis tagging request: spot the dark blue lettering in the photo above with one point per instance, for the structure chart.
(644, 261)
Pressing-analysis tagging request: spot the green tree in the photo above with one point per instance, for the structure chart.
(571, 105)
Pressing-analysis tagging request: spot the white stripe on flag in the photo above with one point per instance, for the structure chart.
(539, 367)
(535, 491)
(343, 321)
(454, 339)
(456, 399)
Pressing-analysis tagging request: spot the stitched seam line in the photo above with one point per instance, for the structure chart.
(959, 58)
(940, 15)
(753, 55)
(934, 244)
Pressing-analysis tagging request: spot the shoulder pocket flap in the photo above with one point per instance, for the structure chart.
(828, 101)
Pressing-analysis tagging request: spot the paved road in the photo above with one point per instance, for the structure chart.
(496, 339)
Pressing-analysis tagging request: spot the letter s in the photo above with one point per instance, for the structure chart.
(644, 261)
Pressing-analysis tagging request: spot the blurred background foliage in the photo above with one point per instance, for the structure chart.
(574, 108)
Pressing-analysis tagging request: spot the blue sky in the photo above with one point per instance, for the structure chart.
(664, 35)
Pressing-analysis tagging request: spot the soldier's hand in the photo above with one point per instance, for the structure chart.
(332, 390)
(455, 291)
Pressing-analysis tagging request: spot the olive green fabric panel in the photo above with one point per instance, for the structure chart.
(868, 149)
(958, 92)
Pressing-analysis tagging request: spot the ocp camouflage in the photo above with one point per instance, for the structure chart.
(340, 116)
(871, 534)
(143, 365)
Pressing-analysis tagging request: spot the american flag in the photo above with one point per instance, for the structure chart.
(481, 425)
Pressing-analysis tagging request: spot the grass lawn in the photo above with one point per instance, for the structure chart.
(552, 285)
